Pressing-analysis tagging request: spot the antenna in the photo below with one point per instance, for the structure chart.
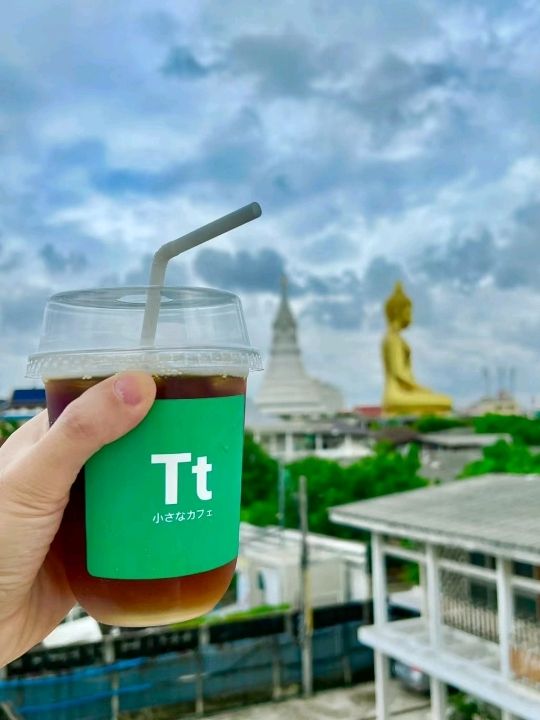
(485, 375)
(500, 379)
(512, 382)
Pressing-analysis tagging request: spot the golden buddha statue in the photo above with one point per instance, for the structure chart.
(402, 394)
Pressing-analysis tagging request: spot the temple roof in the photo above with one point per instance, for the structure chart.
(287, 390)
(284, 318)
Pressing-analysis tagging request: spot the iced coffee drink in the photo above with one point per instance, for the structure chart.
(150, 533)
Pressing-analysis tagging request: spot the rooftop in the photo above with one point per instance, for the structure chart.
(284, 545)
(27, 397)
(495, 514)
(464, 661)
(357, 701)
(453, 440)
(306, 426)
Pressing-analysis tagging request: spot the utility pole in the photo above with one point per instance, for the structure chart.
(110, 658)
(306, 611)
(282, 479)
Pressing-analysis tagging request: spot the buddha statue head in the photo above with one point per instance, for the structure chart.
(398, 308)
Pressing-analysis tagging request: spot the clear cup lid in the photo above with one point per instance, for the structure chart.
(97, 332)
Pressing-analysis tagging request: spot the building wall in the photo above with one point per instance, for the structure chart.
(333, 581)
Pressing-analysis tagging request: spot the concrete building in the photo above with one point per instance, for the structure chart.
(268, 570)
(444, 454)
(338, 439)
(23, 404)
(287, 391)
(477, 544)
(369, 412)
(503, 403)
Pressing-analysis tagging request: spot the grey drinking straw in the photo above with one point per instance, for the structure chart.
(174, 248)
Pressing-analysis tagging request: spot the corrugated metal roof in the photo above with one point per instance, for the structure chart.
(452, 440)
(498, 514)
(27, 397)
(285, 545)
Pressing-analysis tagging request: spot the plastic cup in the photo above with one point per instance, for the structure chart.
(150, 533)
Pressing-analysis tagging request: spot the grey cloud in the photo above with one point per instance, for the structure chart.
(231, 155)
(346, 283)
(252, 272)
(429, 312)
(17, 93)
(282, 64)
(524, 333)
(528, 216)
(385, 93)
(176, 273)
(285, 64)
(388, 94)
(338, 314)
(345, 301)
(160, 25)
(334, 300)
(389, 98)
(88, 152)
(329, 248)
(519, 258)
(61, 245)
(182, 63)
(378, 282)
(463, 261)
(391, 95)
(23, 311)
(510, 259)
(238, 152)
(57, 262)
(380, 276)
(10, 261)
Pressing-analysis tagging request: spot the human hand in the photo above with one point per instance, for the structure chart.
(38, 465)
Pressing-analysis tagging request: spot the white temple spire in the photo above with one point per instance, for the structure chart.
(287, 390)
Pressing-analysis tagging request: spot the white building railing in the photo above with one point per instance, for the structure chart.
(501, 646)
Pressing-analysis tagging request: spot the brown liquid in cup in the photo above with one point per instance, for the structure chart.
(133, 603)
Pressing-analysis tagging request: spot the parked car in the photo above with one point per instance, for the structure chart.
(403, 605)
(411, 677)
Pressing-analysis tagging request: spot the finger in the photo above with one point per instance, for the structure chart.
(99, 416)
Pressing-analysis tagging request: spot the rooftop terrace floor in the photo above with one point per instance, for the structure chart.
(464, 661)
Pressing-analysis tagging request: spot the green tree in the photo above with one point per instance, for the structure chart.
(522, 429)
(464, 707)
(259, 484)
(6, 428)
(387, 471)
(435, 423)
(504, 457)
(329, 484)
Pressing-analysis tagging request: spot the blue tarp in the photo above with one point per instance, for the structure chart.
(236, 668)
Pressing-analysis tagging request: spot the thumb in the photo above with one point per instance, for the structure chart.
(100, 415)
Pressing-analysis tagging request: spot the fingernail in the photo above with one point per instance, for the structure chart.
(128, 390)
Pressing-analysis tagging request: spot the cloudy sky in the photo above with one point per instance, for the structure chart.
(383, 140)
